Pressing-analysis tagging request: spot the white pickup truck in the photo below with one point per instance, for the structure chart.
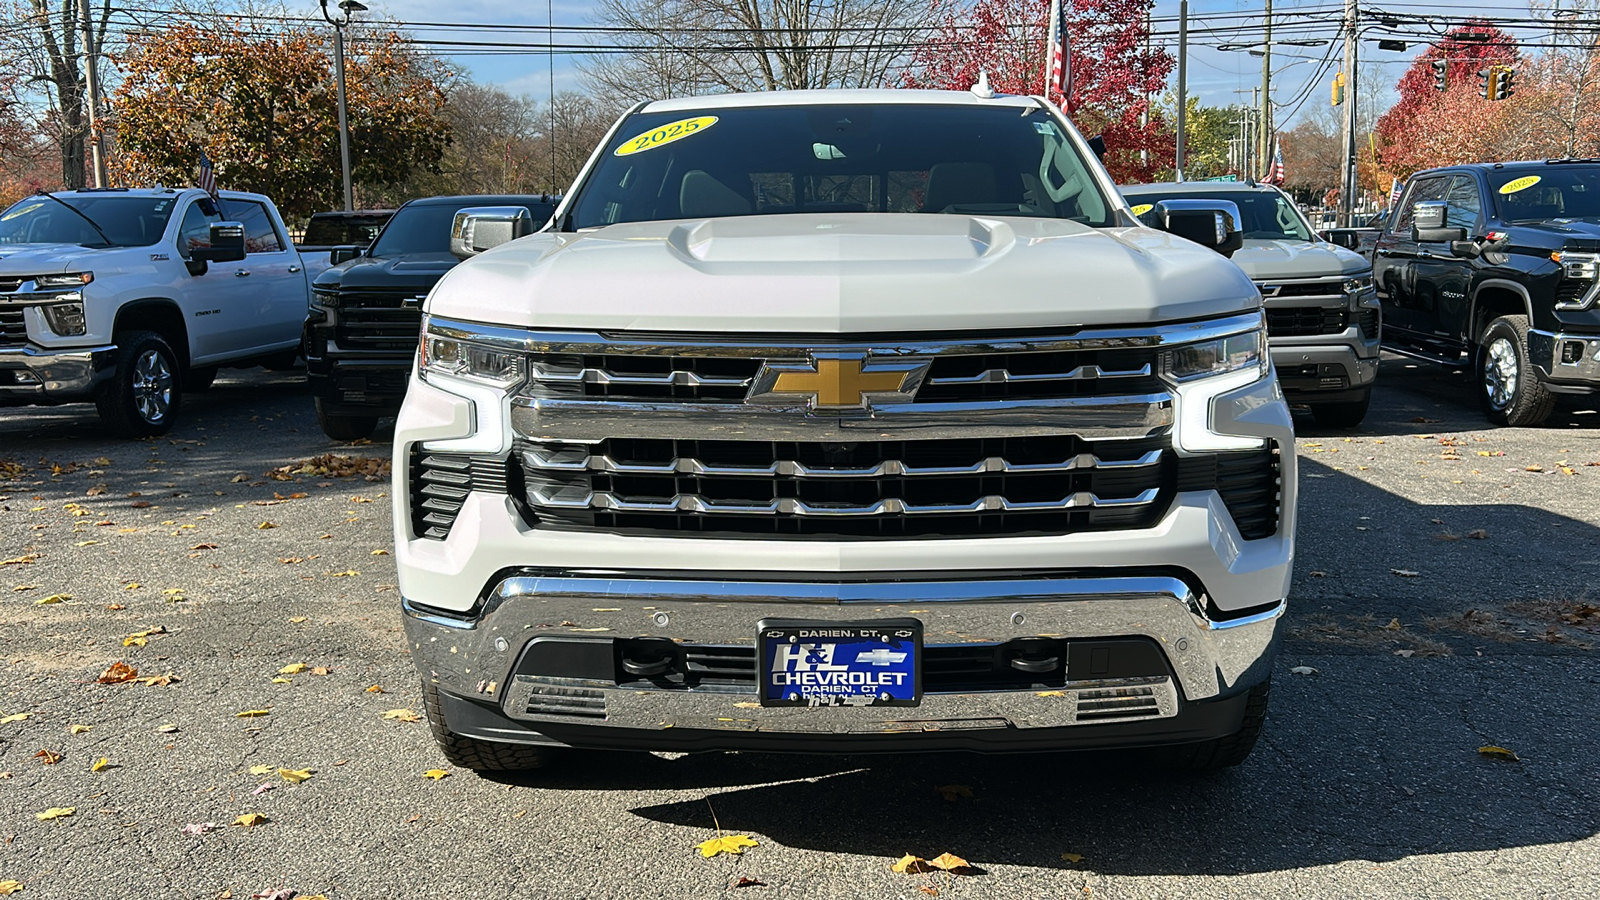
(128, 297)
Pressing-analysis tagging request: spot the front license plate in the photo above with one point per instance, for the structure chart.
(876, 663)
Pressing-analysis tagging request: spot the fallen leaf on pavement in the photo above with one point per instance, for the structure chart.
(265, 525)
(734, 844)
(200, 827)
(252, 713)
(1072, 857)
(376, 689)
(1404, 573)
(281, 680)
(403, 715)
(53, 598)
(949, 863)
(167, 729)
(293, 669)
(1405, 653)
(294, 776)
(1303, 670)
(910, 865)
(321, 670)
(9, 887)
(277, 894)
(345, 574)
(296, 620)
(1500, 753)
(250, 820)
(954, 792)
(19, 560)
(204, 547)
(50, 757)
(1052, 693)
(744, 881)
(56, 812)
(115, 606)
(436, 774)
(79, 729)
(380, 552)
(241, 478)
(261, 770)
(100, 765)
(1478, 534)
(159, 680)
(14, 717)
(263, 788)
(1394, 625)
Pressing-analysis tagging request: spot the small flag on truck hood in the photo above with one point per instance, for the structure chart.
(208, 176)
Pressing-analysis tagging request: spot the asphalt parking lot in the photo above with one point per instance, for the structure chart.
(1443, 597)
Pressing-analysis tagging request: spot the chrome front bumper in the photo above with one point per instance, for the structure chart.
(33, 374)
(476, 656)
(1545, 352)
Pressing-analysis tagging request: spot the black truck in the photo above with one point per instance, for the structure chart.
(1494, 266)
(361, 330)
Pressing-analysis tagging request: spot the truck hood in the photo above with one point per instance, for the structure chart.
(1586, 229)
(50, 259)
(843, 274)
(1297, 259)
(413, 272)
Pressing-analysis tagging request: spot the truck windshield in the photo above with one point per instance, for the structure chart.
(127, 221)
(895, 158)
(425, 228)
(1556, 192)
(1267, 215)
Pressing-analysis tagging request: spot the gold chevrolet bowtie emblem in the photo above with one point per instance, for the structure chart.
(837, 381)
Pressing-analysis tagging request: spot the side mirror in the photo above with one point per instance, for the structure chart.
(1344, 239)
(1209, 223)
(1428, 223)
(343, 253)
(481, 228)
(227, 244)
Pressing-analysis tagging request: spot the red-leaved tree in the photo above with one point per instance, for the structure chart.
(1428, 127)
(1114, 71)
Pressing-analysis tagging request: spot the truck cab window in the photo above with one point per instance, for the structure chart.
(195, 230)
(259, 234)
(1466, 204)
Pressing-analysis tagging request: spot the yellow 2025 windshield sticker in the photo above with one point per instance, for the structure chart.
(1519, 184)
(1143, 208)
(666, 134)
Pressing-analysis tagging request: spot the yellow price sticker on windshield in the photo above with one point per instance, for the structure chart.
(1520, 184)
(666, 134)
(1143, 208)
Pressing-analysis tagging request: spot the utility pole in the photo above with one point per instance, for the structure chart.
(92, 82)
(1252, 138)
(1349, 182)
(1183, 82)
(1144, 115)
(347, 8)
(1266, 91)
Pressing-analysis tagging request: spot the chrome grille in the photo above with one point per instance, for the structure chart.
(1060, 483)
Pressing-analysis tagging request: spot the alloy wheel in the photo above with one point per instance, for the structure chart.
(152, 386)
(1501, 372)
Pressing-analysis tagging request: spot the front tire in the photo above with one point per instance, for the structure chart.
(1508, 387)
(1230, 750)
(142, 397)
(1342, 415)
(480, 756)
(344, 428)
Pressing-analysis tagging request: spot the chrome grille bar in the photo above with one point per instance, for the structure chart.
(576, 461)
(1004, 376)
(676, 378)
(694, 503)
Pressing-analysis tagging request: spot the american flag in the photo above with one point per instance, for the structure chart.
(208, 176)
(1058, 77)
(1275, 171)
(1394, 195)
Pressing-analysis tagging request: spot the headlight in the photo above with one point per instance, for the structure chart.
(1221, 356)
(65, 318)
(454, 353)
(324, 298)
(1580, 266)
(1357, 284)
(71, 280)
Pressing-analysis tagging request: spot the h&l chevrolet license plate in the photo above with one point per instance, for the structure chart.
(804, 663)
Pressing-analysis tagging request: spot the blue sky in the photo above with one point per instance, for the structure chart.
(1216, 76)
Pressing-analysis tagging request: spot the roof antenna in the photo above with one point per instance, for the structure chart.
(981, 90)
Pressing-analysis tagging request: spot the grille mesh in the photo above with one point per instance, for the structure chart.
(1300, 321)
(440, 483)
(12, 328)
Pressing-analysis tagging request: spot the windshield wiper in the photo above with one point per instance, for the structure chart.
(81, 214)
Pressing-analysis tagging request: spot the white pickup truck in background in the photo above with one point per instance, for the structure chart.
(128, 297)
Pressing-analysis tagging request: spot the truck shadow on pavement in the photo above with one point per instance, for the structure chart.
(1372, 759)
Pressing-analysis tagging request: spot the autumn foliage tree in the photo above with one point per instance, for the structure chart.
(1114, 71)
(263, 108)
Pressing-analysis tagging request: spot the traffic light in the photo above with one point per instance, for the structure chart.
(1487, 80)
(1505, 87)
(1338, 89)
(1441, 74)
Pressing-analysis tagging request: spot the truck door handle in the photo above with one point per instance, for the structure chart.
(241, 273)
(1385, 251)
(293, 269)
(1421, 254)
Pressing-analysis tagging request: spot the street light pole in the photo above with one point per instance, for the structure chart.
(1183, 86)
(1266, 92)
(340, 23)
(91, 78)
(1349, 182)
